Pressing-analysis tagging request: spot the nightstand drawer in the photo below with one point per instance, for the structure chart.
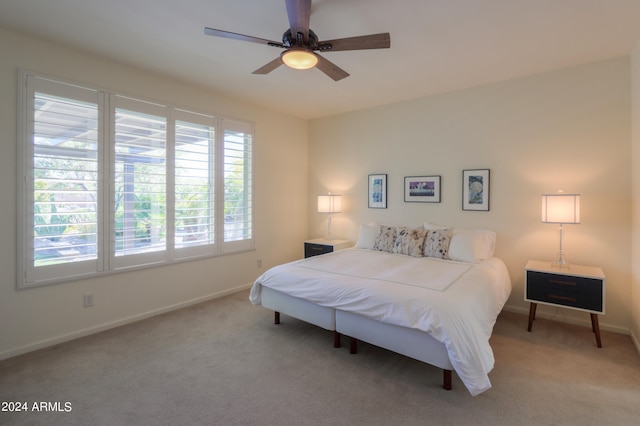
(311, 249)
(571, 291)
(323, 245)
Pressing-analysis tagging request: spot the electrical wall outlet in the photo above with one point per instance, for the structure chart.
(259, 263)
(88, 300)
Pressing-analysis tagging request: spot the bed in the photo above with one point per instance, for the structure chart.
(429, 294)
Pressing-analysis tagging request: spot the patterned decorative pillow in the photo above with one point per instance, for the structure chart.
(436, 244)
(410, 241)
(385, 239)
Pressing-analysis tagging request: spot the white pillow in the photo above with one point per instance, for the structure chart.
(367, 237)
(471, 245)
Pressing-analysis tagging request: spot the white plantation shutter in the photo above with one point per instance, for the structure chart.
(140, 182)
(108, 182)
(238, 186)
(60, 231)
(194, 184)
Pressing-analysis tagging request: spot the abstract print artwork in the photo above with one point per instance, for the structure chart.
(378, 191)
(475, 189)
(422, 189)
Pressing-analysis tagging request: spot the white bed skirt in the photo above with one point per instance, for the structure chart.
(321, 316)
(409, 342)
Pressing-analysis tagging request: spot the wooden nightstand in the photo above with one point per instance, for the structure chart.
(323, 245)
(573, 286)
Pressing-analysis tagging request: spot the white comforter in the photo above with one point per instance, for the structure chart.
(457, 303)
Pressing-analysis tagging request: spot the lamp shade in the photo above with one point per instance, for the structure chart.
(299, 59)
(329, 203)
(561, 208)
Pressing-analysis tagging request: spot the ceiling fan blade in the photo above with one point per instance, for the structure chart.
(331, 69)
(242, 37)
(268, 67)
(299, 12)
(373, 41)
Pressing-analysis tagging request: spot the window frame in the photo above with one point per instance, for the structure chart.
(106, 262)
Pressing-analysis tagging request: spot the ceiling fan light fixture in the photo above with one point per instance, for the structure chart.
(299, 59)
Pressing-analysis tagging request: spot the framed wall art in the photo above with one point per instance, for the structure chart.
(475, 189)
(378, 191)
(422, 189)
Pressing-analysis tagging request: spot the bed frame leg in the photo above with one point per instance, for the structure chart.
(336, 339)
(276, 317)
(353, 345)
(446, 382)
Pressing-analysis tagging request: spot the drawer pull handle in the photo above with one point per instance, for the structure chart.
(570, 299)
(562, 282)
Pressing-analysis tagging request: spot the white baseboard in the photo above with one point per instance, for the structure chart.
(106, 326)
(636, 341)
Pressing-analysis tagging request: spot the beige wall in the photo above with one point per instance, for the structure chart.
(38, 317)
(635, 167)
(568, 130)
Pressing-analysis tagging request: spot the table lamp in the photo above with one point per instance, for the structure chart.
(329, 204)
(562, 209)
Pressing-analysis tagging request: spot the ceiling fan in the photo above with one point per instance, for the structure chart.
(301, 43)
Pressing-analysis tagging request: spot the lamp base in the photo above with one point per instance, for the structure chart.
(329, 237)
(560, 262)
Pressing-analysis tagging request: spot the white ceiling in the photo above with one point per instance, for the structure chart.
(436, 45)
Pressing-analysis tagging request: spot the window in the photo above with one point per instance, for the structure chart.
(194, 184)
(139, 203)
(110, 182)
(238, 221)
